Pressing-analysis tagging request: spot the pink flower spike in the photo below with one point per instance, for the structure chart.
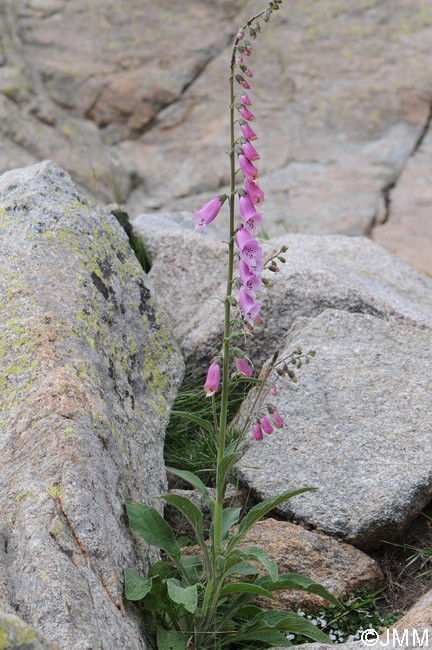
(249, 170)
(245, 100)
(248, 132)
(213, 379)
(251, 281)
(265, 423)
(248, 306)
(206, 215)
(277, 420)
(250, 152)
(246, 114)
(243, 368)
(257, 431)
(254, 192)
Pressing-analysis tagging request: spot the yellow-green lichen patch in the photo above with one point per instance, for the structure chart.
(25, 636)
(55, 491)
(4, 638)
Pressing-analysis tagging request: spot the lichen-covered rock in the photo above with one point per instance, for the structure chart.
(88, 372)
(354, 274)
(17, 635)
(358, 427)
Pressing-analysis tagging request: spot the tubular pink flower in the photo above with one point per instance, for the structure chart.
(247, 51)
(213, 379)
(277, 420)
(248, 72)
(239, 60)
(248, 132)
(245, 84)
(250, 152)
(265, 423)
(251, 281)
(257, 431)
(274, 390)
(206, 215)
(245, 99)
(246, 114)
(249, 170)
(250, 251)
(254, 192)
(243, 368)
(250, 216)
(249, 307)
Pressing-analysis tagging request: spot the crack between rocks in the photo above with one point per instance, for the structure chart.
(386, 191)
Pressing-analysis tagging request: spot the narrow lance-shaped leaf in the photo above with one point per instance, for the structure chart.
(259, 511)
(246, 587)
(298, 582)
(282, 621)
(194, 481)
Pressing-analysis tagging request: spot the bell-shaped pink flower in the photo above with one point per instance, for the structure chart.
(274, 390)
(239, 60)
(277, 420)
(250, 152)
(254, 192)
(243, 368)
(257, 431)
(250, 251)
(249, 170)
(246, 114)
(250, 216)
(206, 215)
(265, 423)
(245, 99)
(248, 132)
(213, 379)
(249, 307)
(250, 281)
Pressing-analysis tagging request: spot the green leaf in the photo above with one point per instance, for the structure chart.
(168, 640)
(246, 587)
(229, 518)
(260, 555)
(148, 523)
(298, 582)
(194, 481)
(243, 569)
(259, 511)
(282, 621)
(193, 566)
(194, 418)
(162, 570)
(270, 637)
(136, 587)
(188, 509)
(186, 596)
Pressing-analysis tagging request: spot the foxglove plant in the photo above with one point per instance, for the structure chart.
(190, 598)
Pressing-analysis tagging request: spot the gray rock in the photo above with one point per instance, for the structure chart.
(88, 373)
(354, 274)
(357, 426)
(17, 635)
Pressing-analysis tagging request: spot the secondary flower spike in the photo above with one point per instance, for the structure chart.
(209, 212)
(213, 379)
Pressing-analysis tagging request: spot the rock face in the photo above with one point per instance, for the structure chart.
(88, 373)
(17, 635)
(124, 94)
(357, 426)
(339, 567)
(354, 274)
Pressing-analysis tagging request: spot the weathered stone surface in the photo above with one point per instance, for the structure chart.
(88, 371)
(408, 230)
(354, 274)
(357, 426)
(126, 94)
(341, 568)
(17, 635)
(419, 616)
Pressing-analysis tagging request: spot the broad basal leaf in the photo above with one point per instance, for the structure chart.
(186, 596)
(136, 587)
(148, 523)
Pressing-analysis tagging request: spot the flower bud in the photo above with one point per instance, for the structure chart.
(252, 32)
(240, 35)
(274, 390)
(267, 283)
(258, 320)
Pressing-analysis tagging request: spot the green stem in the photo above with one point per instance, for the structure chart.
(226, 342)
